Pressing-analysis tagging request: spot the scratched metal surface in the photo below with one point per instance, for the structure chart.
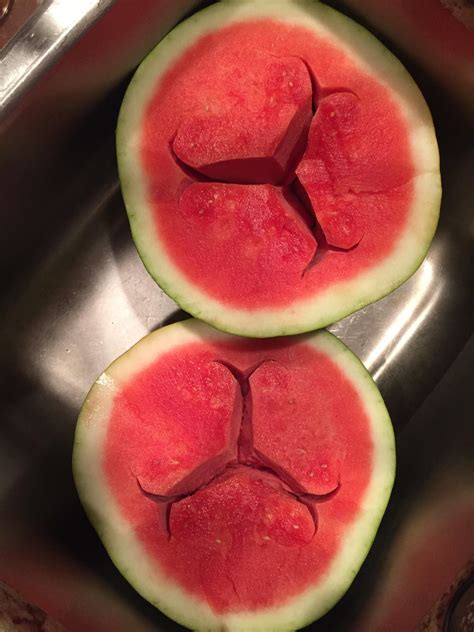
(75, 295)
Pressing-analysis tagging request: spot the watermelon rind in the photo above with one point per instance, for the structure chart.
(144, 573)
(346, 296)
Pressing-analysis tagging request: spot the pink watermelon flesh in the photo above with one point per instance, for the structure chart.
(310, 458)
(228, 113)
(252, 224)
(240, 462)
(339, 170)
(258, 131)
(213, 401)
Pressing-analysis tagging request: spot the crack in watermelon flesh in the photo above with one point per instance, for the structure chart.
(235, 463)
(265, 132)
(320, 477)
(251, 124)
(338, 170)
(272, 229)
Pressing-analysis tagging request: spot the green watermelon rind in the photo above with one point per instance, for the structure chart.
(347, 296)
(132, 560)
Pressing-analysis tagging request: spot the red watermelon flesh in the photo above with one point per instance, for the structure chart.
(304, 438)
(366, 206)
(290, 95)
(340, 171)
(259, 235)
(174, 405)
(254, 133)
(309, 458)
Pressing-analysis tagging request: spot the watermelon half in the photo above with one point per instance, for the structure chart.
(279, 167)
(237, 484)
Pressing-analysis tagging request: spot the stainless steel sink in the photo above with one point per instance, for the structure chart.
(75, 295)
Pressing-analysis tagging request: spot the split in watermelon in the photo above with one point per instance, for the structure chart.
(279, 167)
(236, 483)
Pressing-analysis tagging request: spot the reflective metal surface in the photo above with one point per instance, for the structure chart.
(75, 295)
(51, 29)
(13, 15)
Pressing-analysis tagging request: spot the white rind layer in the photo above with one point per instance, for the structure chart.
(344, 297)
(144, 573)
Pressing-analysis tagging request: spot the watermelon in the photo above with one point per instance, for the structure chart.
(279, 167)
(236, 483)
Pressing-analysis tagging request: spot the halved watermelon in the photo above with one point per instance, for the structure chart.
(236, 483)
(279, 167)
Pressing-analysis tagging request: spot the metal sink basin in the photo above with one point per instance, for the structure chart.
(75, 296)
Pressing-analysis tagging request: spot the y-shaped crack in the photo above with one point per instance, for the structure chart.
(244, 441)
(243, 453)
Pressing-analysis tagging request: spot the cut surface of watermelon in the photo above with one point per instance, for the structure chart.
(249, 102)
(236, 483)
(266, 129)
